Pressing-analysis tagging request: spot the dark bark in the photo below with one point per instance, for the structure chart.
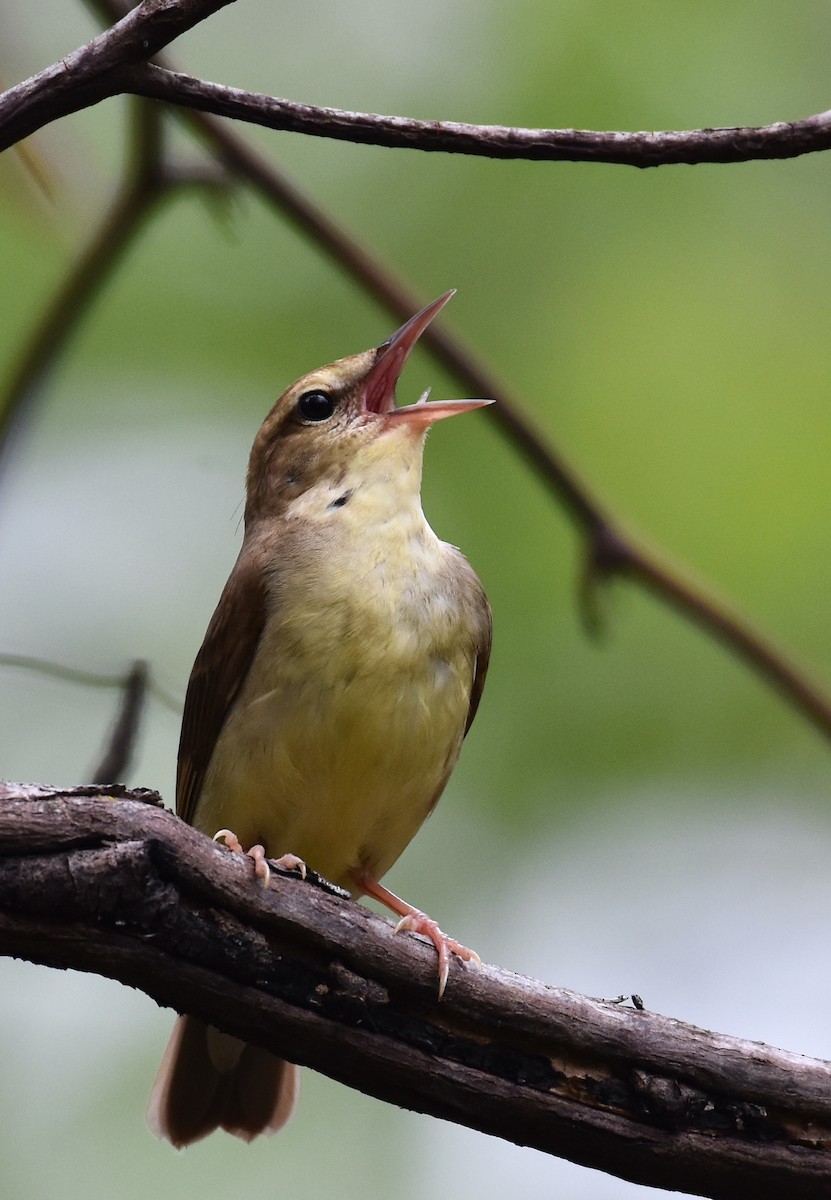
(121, 887)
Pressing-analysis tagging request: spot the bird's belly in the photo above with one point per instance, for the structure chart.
(336, 764)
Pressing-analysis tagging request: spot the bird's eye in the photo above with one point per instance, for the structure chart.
(315, 406)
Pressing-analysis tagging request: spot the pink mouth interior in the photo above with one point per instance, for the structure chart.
(379, 389)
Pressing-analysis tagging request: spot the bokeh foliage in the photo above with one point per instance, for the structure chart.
(633, 814)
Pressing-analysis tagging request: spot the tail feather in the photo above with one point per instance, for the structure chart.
(209, 1080)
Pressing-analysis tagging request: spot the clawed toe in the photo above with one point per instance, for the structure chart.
(262, 871)
(288, 862)
(419, 922)
(229, 839)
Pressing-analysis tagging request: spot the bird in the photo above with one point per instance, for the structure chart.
(338, 676)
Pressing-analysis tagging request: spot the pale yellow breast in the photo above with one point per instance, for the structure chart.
(352, 716)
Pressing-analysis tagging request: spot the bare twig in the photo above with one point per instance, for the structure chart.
(784, 139)
(123, 736)
(42, 666)
(90, 74)
(126, 890)
(119, 227)
(116, 62)
(149, 179)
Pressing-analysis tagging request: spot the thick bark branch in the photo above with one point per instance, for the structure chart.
(122, 888)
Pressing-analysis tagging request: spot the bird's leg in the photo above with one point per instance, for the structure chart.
(418, 922)
(288, 862)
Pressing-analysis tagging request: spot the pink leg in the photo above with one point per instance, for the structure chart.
(418, 922)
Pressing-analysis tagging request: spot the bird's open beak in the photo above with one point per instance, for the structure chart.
(379, 385)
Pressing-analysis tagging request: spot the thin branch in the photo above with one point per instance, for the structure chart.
(42, 666)
(149, 179)
(121, 742)
(119, 227)
(115, 63)
(90, 74)
(784, 139)
(124, 889)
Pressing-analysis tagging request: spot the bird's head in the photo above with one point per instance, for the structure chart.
(333, 420)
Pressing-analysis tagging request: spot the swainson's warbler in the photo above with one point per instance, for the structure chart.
(338, 676)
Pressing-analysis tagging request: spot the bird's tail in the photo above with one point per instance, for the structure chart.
(209, 1080)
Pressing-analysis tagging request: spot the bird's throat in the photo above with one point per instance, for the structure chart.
(376, 488)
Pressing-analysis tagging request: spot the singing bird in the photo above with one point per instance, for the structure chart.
(338, 676)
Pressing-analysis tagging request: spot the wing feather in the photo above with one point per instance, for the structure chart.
(219, 671)
(483, 655)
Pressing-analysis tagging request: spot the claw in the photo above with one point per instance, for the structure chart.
(230, 839)
(290, 862)
(261, 868)
(257, 853)
(418, 922)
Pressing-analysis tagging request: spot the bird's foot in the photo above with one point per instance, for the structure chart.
(419, 922)
(262, 871)
(290, 862)
(415, 921)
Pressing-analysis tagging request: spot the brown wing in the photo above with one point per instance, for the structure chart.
(218, 673)
(483, 655)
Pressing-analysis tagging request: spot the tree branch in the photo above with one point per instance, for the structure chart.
(122, 888)
(116, 62)
(784, 139)
(90, 74)
(149, 178)
(121, 740)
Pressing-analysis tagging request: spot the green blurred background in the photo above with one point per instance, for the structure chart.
(634, 814)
